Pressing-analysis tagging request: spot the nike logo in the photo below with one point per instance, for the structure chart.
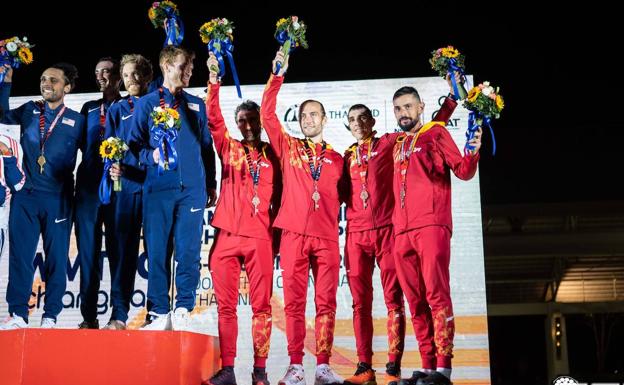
(35, 112)
(56, 220)
(93, 109)
(194, 210)
(126, 117)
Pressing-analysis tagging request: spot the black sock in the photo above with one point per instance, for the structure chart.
(259, 370)
(228, 368)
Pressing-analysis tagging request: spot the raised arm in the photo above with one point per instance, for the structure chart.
(8, 116)
(278, 137)
(216, 123)
(464, 167)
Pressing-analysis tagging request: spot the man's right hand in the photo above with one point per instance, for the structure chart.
(213, 68)
(279, 57)
(8, 78)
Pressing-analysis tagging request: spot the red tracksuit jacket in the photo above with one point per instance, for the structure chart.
(297, 213)
(380, 202)
(428, 179)
(234, 212)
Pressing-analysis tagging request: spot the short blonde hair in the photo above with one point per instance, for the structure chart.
(169, 53)
(143, 66)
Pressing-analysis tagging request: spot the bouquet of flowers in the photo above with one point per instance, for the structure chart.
(14, 52)
(445, 61)
(217, 33)
(112, 150)
(165, 125)
(165, 14)
(290, 33)
(485, 103)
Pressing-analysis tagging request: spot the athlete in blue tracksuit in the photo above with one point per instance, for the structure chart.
(90, 212)
(51, 134)
(173, 199)
(136, 72)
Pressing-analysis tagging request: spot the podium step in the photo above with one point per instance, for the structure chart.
(106, 357)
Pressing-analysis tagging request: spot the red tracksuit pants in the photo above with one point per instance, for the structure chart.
(228, 253)
(422, 258)
(298, 254)
(362, 249)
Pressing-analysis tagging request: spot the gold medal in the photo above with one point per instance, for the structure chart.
(41, 161)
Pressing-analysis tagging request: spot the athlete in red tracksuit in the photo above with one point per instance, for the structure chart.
(250, 190)
(308, 217)
(424, 157)
(366, 182)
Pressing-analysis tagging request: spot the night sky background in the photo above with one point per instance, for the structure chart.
(559, 136)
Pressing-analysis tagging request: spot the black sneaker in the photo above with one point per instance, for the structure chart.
(436, 378)
(259, 379)
(393, 374)
(225, 376)
(89, 325)
(415, 379)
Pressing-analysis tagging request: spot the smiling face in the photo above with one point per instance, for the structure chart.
(105, 76)
(133, 80)
(178, 74)
(312, 119)
(407, 110)
(53, 85)
(361, 123)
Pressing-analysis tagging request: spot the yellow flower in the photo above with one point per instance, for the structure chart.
(108, 150)
(173, 113)
(473, 94)
(25, 55)
(450, 52)
(168, 3)
(280, 22)
(500, 104)
(151, 14)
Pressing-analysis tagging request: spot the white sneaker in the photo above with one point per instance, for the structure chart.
(157, 322)
(47, 323)
(326, 375)
(294, 376)
(181, 319)
(14, 322)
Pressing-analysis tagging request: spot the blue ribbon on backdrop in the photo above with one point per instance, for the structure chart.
(226, 47)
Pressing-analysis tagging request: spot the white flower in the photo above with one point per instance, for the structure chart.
(11, 46)
(225, 21)
(296, 25)
(486, 84)
(486, 91)
(229, 30)
(24, 39)
(170, 122)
